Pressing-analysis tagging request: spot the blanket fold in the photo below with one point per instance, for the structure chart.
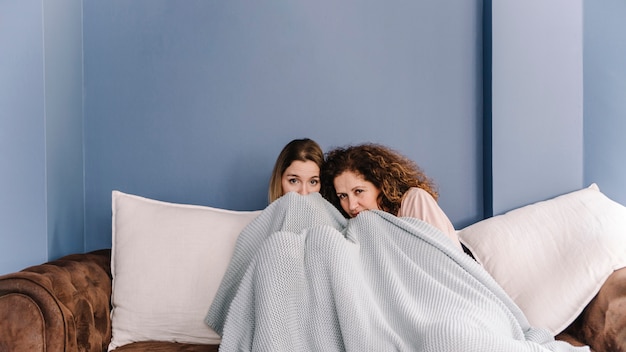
(303, 278)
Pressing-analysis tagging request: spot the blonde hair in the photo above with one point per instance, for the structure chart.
(304, 149)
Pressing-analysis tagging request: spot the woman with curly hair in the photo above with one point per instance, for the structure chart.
(374, 177)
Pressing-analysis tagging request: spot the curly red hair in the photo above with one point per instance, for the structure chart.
(391, 172)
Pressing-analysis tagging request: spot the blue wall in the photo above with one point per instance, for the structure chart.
(192, 101)
(41, 146)
(63, 66)
(537, 98)
(605, 96)
(22, 136)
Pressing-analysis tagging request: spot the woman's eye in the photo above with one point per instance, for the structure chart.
(358, 191)
(315, 182)
(341, 196)
(293, 180)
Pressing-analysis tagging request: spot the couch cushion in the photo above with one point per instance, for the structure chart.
(552, 256)
(167, 262)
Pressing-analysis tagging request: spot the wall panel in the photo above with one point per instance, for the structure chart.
(192, 101)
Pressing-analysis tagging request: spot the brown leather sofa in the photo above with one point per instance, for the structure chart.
(64, 305)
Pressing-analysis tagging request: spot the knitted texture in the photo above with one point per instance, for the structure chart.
(303, 278)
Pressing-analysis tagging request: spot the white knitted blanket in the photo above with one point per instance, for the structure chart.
(303, 278)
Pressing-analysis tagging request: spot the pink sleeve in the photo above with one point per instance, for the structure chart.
(417, 203)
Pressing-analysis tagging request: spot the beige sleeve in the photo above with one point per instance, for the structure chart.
(417, 203)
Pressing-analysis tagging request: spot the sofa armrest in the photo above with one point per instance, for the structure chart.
(62, 305)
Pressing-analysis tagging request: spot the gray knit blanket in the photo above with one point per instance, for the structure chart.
(303, 278)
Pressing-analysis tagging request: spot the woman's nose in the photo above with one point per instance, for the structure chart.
(353, 203)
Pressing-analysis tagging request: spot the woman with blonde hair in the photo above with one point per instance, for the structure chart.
(297, 169)
(374, 177)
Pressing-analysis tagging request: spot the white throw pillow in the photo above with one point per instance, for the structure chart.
(167, 262)
(553, 256)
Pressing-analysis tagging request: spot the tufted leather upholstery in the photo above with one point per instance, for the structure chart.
(602, 324)
(64, 305)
